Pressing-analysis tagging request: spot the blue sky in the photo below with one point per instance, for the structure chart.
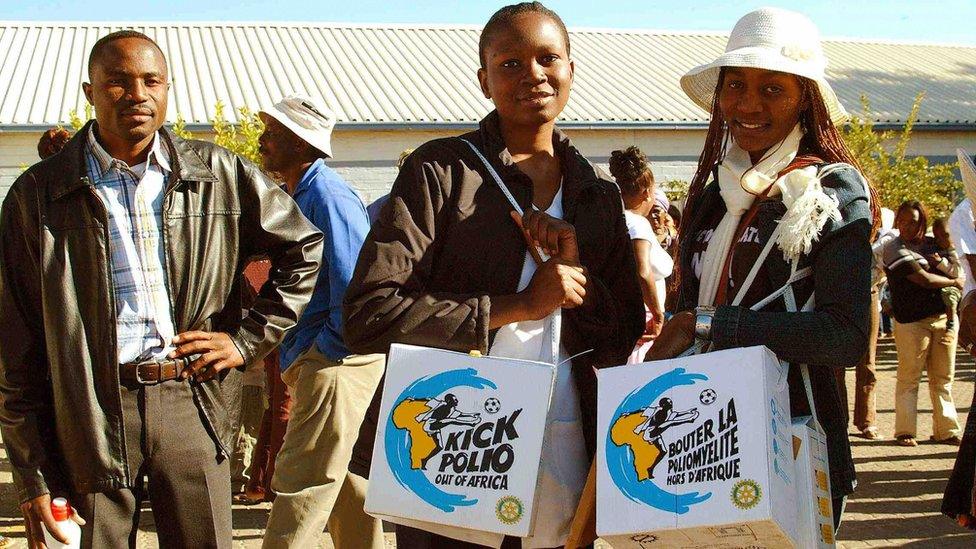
(946, 21)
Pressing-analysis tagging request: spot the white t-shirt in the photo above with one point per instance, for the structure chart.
(963, 235)
(564, 460)
(529, 339)
(662, 265)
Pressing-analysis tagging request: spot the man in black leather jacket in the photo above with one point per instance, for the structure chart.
(122, 331)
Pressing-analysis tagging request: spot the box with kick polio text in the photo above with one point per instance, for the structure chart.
(459, 440)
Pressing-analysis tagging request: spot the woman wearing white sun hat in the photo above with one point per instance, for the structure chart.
(777, 190)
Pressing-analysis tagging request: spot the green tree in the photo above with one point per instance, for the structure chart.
(898, 178)
(676, 189)
(179, 128)
(76, 121)
(241, 138)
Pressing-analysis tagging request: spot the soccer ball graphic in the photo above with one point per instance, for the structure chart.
(492, 405)
(707, 396)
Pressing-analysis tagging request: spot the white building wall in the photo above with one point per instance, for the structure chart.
(941, 146)
(17, 151)
(367, 158)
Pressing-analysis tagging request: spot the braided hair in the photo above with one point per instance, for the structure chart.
(821, 139)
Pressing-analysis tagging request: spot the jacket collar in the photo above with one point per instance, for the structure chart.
(158, 155)
(187, 163)
(575, 175)
(71, 171)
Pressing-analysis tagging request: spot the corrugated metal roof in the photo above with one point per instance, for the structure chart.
(395, 75)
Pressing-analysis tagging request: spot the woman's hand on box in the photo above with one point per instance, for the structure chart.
(676, 336)
(652, 328)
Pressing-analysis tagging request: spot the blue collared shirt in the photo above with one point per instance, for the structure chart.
(336, 210)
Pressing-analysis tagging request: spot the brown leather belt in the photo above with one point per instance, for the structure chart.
(152, 372)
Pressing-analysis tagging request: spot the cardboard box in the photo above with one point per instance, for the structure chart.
(459, 440)
(815, 512)
(696, 452)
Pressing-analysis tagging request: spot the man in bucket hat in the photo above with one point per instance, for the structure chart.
(330, 387)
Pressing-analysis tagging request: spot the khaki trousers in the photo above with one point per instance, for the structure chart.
(312, 479)
(920, 347)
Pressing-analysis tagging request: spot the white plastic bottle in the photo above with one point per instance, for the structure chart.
(62, 514)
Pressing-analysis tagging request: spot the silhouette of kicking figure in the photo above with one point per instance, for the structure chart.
(659, 419)
(441, 414)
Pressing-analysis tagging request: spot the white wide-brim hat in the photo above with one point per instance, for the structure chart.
(772, 39)
(309, 119)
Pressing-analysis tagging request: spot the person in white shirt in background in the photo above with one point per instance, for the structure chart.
(957, 501)
(961, 223)
(633, 175)
(963, 234)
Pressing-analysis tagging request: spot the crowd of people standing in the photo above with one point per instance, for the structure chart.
(179, 324)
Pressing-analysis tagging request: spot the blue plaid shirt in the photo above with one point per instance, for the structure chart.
(133, 198)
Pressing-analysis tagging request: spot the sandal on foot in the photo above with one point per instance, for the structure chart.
(870, 433)
(906, 440)
(954, 440)
(248, 499)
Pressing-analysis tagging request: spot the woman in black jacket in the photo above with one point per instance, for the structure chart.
(777, 191)
(447, 266)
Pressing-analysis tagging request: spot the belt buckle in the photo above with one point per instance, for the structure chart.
(139, 378)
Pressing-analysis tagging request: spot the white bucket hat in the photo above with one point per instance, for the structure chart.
(772, 39)
(309, 119)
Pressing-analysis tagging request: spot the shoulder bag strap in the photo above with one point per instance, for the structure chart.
(786, 291)
(555, 319)
(804, 369)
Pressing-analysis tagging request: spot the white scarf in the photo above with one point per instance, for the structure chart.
(739, 183)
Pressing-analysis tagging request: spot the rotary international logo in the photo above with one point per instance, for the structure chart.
(746, 494)
(509, 509)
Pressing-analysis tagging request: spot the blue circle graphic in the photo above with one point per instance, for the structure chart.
(620, 459)
(397, 441)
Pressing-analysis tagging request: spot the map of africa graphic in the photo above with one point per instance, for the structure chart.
(422, 444)
(622, 434)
